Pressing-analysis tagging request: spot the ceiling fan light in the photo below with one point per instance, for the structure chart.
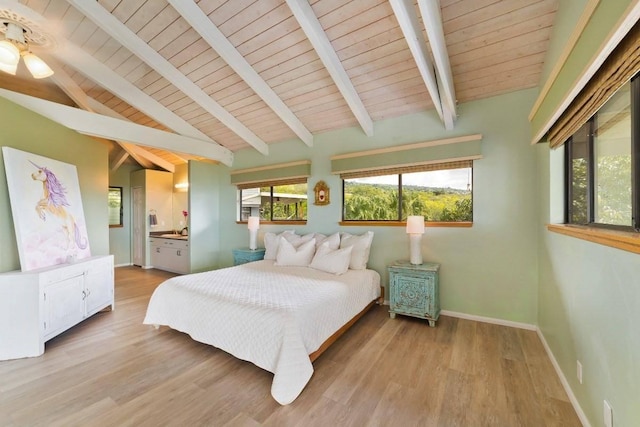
(8, 68)
(9, 54)
(36, 66)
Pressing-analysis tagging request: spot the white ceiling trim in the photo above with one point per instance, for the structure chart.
(116, 29)
(217, 40)
(405, 14)
(69, 86)
(432, 20)
(315, 33)
(94, 124)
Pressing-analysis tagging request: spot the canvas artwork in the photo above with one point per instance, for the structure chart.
(47, 210)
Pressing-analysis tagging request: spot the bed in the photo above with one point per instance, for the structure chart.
(278, 318)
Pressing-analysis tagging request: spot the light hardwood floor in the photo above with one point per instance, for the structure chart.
(113, 371)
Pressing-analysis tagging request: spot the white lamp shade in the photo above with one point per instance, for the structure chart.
(253, 223)
(415, 224)
(9, 57)
(11, 69)
(36, 66)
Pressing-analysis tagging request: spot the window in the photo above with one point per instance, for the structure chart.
(115, 207)
(286, 202)
(602, 183)
(442, 195)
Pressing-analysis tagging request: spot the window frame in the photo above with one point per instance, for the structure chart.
(400, 221)
(271, 220)
(591, 191)
(119, 206)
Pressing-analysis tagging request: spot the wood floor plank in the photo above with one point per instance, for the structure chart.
(112, 370)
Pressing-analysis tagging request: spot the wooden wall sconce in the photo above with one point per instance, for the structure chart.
(322, 193)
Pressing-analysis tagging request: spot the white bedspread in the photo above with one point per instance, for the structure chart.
(271, 316)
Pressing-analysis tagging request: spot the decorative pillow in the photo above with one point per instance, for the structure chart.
(361, 248)
(289, 255)
(333, 240)
(297, 240)
(335, 261)
(271, 243)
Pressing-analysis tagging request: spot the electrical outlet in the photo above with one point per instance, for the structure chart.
(579, 371)
(608, 415)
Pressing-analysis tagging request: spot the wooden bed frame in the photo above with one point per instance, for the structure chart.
(337, 334)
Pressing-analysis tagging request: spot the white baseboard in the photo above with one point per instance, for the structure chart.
(123, 265)
(563, 380)
(495, 321)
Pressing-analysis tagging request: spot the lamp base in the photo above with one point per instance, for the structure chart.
(415, 249)
(253, 239)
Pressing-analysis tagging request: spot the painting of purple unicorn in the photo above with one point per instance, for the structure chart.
(47, 210)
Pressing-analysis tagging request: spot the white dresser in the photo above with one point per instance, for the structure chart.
(37, 305)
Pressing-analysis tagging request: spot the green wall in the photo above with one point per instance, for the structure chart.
(589, 310)
(588, 294)
(205, 227)
(487, 270)
(120, 237)
(27, 131)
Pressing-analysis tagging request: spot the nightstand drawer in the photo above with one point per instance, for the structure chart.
(243, 256)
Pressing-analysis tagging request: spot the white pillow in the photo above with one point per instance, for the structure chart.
(333, 240)
(361, 248)
(271, 243)
(297, 240)
(289, 255)
(335, 261)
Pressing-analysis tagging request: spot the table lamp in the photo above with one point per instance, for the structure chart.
(415, 230)
(253, 224)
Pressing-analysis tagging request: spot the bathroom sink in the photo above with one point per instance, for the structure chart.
(174, 236)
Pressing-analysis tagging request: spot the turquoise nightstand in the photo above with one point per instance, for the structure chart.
(245, 255)
(414, 290)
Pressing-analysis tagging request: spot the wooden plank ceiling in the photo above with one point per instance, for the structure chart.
(144, 61)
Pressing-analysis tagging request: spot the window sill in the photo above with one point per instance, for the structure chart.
(627, 241)
(296, 222)
(404, 224)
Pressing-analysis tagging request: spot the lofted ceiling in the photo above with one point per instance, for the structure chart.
(243, 74)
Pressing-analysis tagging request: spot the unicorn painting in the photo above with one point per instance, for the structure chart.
(54, 203)
(47, 210)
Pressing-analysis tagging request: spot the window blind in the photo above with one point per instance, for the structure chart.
(448, 153)
(409, 169)
(622, 64)
(266, 176)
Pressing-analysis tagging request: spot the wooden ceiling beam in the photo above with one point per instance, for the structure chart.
(192, 13)
(432, 20)
(119, 160)
(94, 124)
(312, 28)
(104, 76)
(70, 87)
(408, 21)
(127, 38)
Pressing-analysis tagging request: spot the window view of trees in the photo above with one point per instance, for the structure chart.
(275, 203)
(423, 193)
(600, 152)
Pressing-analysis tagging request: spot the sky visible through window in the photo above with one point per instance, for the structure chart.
(450, 178)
